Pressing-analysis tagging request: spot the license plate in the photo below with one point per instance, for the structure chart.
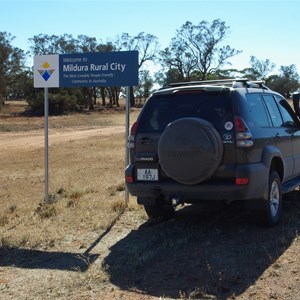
(147, 174)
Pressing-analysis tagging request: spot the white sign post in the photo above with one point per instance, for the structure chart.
(46, 74)
(46, 110)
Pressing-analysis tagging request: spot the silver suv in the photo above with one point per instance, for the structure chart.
(229, 140)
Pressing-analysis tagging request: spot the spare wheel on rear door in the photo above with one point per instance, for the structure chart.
(190, 150)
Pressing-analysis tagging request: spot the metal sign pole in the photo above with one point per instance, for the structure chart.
(126, 137)
(46, 108)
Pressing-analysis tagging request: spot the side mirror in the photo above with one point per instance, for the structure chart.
(296, 99)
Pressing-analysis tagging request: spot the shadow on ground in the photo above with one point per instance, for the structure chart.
(65, 261)
(36, 259)
(216, 252)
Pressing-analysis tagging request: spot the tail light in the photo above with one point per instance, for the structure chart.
(241, 180)
(131, 137)
(129, 179)
(243, 134)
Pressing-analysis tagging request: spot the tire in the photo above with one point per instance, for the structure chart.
(190, 150)
(162, 210)
(273, 210)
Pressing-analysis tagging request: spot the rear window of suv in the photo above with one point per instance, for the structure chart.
(160, 110)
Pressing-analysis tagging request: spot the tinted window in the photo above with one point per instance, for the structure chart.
(273, 110)
(161, 110)
(258, 110)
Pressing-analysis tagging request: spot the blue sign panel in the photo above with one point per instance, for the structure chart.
(98, 69)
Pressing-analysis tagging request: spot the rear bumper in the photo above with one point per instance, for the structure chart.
(257, 187)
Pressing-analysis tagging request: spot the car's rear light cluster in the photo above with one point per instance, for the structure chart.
(243, 140)
(243, 134)
(131, 137)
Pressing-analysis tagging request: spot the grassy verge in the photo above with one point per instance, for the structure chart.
(86, 185)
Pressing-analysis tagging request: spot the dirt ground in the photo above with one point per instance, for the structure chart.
(205, 252)
(35, 139)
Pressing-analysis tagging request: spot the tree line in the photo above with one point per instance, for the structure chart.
(196, 52)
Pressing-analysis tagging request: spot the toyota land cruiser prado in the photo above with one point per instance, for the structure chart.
(214, 141)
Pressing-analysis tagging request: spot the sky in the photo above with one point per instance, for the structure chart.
(266, 29)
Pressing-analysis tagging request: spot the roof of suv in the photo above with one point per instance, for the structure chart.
(213, 85)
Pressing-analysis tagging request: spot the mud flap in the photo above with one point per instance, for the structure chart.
(258, 204)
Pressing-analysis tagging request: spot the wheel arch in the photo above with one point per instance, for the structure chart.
(277, 165)
(272, 158)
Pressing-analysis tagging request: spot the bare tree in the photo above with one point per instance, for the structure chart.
(145, 44)
(179, 58)
(260, 68)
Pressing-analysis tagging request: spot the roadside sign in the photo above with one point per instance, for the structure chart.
(99, 69)
(86, 69)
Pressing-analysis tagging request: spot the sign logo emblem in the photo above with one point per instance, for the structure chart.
(46, 74)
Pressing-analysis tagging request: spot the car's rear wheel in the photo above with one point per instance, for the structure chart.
(159, 210)
(273, 210)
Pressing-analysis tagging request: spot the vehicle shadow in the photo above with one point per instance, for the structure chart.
(217, 252)
(37, 259)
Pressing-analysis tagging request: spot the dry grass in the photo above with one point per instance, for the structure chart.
(13, 119)
(86, 184)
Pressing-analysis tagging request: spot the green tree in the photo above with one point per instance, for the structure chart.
(61, 101)
(21, 85)
(171, 75)
(12, 64)
(44, 44)
(178, 57)
(259, 69)
(286, 82)
(199, 48)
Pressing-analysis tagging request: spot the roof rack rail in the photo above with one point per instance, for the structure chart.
(232, 82)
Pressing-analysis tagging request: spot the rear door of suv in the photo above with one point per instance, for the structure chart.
(162, 109)
(283, 134)
(292, 125)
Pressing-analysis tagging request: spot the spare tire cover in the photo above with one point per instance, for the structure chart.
(190, 150)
